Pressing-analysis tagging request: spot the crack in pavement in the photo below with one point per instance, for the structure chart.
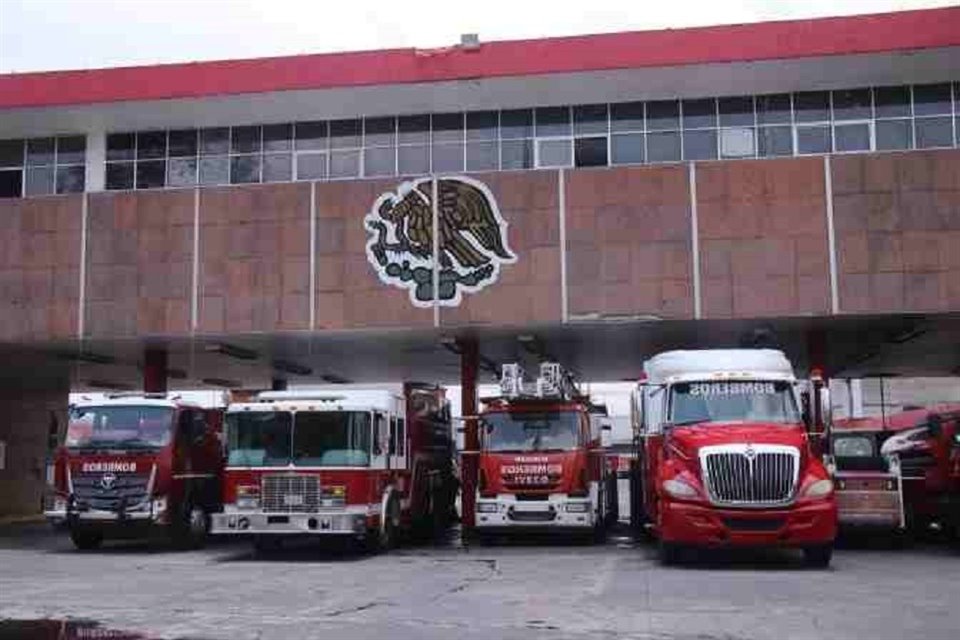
(493, 570)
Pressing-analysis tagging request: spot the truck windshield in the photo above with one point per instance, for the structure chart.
(307, 438)
(119, 427)
(535, 431)
(746, 401)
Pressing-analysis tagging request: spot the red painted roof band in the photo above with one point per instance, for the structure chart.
(877, 33)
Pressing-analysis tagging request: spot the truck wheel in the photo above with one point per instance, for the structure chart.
(86, 540)
(669, 553)
(818, 557)
(389, 525)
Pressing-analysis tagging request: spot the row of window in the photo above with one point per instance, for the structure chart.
(813, 122)
(42, 166)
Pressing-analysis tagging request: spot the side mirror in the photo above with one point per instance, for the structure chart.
(826, 408)
(639, 406)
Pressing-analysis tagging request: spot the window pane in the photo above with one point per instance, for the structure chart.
(934, 132)
(700, 145)
(852, 137)
(664, 114)
(663, 147)
(215, 170)
(552, 121)
(11, 153)
(626, 116)
(380, 132)
(813, 140)
(482, 125)
(214, 142)
(413, 160)
(414, 129)
(773, 109)
(738, 142)
(736, 111)
(277, 167)
(39, 152)
(344, 164)
(447, 157)
(516, 154)
(516, 124)
(244, 169)
(853, 104)
(182, 143)
(181, 172)
(151, 144)
(311, 135)
(72, 150)
(627, 149)
(699, 113)
(448, 127)
(590, 118)
(812, 106)
(151, 174)
(379, 161)
(11, 183)
(119, 175)
(775, 141)
(894, 134)
(931, 99)
(311, 166)
(120, 146)
(590, 152)
(892, 101)
(483, 156)
(245, 140)
(345, 134)
(276, 137)
(70, 179)
(39, 181)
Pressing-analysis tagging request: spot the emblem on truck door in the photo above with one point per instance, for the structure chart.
(471, 247)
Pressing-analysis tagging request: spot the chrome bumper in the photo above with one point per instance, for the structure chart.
(321, 523)
(59, 517)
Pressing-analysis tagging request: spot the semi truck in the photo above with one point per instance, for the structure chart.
(728, 456)
(363, 464)
(135, 464)
(542, 467)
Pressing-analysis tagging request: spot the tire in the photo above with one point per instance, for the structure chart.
(818, 557)
(389, 526)
(86, 540)
(670, 554)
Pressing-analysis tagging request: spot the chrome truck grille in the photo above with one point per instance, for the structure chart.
(290, 493)
(750, 475)
(109, 491)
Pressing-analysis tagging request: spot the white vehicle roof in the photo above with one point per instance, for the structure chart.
(335, 399)
(725, 364)
(133, 400)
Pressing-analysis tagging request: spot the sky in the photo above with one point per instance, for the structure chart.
(41, 35)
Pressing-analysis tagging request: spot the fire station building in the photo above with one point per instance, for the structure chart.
(343, 216)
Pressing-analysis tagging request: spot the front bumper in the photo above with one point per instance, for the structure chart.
(325, 523)
(880, 509)
(557, 512)
(809, 524)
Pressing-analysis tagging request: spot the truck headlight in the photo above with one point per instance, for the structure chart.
(487, 507)
(247, 503)
(248, 496)
(679, 488)
(159, 505)
(819, 489)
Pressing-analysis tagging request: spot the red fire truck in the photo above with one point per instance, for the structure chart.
(542, 466)
(725, 458)
(134, 462)
(359, 463)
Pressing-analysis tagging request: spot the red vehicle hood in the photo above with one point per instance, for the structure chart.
(690, 439)
(532, 472)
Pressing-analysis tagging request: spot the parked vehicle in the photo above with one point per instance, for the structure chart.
(725, 454)
(542, 466)
(136, 462)
(366, 464)
(868, 485)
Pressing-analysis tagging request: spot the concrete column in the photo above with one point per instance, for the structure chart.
(155, 370)
(96, 157)
(469, 364)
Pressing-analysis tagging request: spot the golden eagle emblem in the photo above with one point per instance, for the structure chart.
(471, 239)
